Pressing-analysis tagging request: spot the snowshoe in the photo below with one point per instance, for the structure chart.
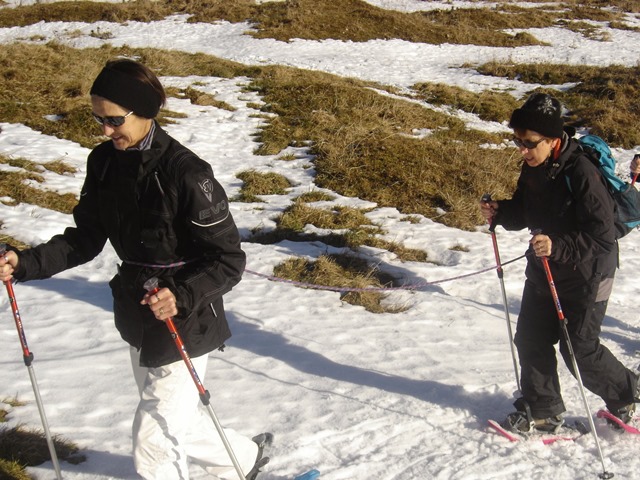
(626, 414)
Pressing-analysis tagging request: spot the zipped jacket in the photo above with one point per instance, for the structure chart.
(579, 221)
(167, 217)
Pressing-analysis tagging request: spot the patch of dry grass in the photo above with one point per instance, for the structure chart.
(29, 447)
(59, 167)
(488, 105)
(346, 227)
(13, 471)
(316, 196)
(365, 146)
(299, 214)
(17, 185)
(405, 254)
(21, 447)
(353, 20)
(196, 97)
(359, 21)
(90, 12)
(342, 271)
(259, 183)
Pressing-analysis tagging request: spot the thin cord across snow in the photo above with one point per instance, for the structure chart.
(413, 286)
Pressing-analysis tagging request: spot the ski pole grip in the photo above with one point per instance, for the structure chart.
(151, 285)
(634, 175)
(486, 198)
(3, 249)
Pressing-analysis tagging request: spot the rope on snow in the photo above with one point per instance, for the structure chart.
(414, 286)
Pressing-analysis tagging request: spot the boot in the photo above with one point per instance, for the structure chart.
(262, 440)
(522, 421)
(624, 413)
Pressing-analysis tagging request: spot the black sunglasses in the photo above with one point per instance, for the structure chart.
(528, 144)
(115, 121)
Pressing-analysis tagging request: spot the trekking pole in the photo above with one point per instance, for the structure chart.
(492, 229)
(563, 323)
(28, 359)
(634, 176)
(151, 286)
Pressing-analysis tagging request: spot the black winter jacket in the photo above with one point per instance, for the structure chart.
(157, 207)
(580, 221)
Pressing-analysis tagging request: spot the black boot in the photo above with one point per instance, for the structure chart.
(522, 420)
(624, 413)
(262, 440)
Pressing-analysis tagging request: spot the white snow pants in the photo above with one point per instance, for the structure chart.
(170, 426)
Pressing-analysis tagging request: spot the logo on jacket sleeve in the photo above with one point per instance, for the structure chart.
(206, 186)
(213, 211)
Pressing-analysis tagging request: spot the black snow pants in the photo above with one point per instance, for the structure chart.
(539, 330)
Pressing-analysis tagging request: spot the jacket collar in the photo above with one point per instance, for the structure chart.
(556, 165)
(157, 150)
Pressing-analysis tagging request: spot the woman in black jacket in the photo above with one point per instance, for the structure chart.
(167, 217)
(562, 199)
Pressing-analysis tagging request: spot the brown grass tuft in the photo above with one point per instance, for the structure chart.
(13, 471)
(29, 447)
(315, 196)
(17, 186)
(200, 98)
(258, 183)
(341, 271)
(299, 214)
(488, 105)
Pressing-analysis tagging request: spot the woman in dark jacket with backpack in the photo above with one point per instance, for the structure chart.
(166, 217)
(562, 199)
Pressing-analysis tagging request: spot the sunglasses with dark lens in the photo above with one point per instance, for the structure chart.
(116, 121)
(528, 144)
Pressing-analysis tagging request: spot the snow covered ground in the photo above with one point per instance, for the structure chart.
(357, 395)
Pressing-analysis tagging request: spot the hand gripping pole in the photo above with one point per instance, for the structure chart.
(28, 360)
(151, 286)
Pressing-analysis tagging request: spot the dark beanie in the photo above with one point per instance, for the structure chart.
(127, 91)
(541, 113)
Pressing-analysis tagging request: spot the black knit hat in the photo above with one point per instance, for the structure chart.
(541, 113)
(127, 91)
